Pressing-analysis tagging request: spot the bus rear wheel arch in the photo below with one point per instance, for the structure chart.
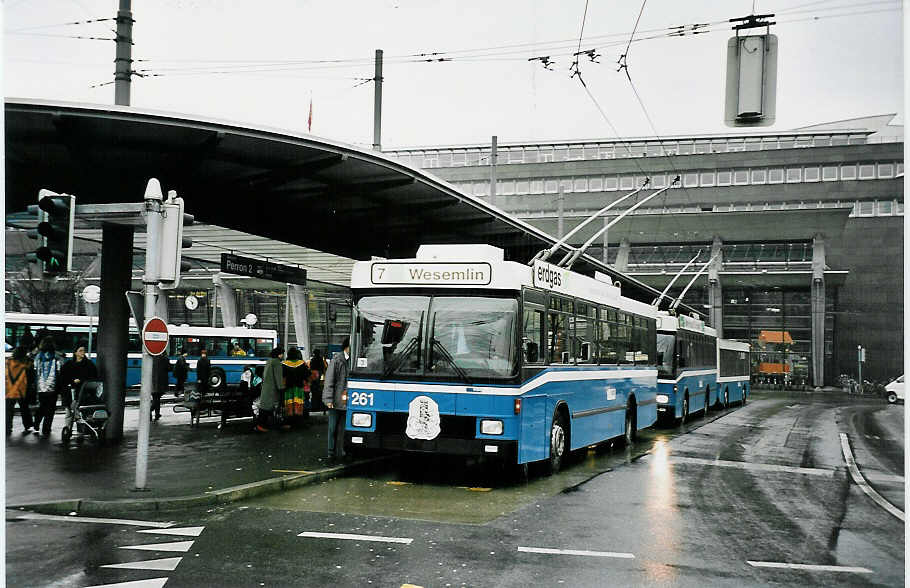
(630, 428)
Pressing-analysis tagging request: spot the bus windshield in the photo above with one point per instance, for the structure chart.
(461, 337)
(666, 344)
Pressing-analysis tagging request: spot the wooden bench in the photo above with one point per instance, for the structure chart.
(228, 401)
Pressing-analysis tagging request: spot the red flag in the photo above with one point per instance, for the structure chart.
(309, 120)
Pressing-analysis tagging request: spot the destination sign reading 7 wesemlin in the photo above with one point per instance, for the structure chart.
(258, 268)
(431, 274)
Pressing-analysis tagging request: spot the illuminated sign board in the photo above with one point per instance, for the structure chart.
(430, 274)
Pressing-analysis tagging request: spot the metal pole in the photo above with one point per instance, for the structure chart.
(377, 103)
(90, 326)
(493, 170)
(153, 199)
(214, 306)
(123, 61)
(287, 316)
(859, 367)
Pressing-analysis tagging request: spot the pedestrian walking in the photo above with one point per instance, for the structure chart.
(335, 398)
(296, 381)
(317, 376)
(203, 373)
(181, 369)
(162, 366)
(74, 373)
(17, 368)
(272, 384)
(47, 372)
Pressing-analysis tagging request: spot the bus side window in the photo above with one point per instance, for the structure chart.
(556, 337)
(531, 335)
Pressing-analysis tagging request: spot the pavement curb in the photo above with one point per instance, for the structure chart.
(86, 506)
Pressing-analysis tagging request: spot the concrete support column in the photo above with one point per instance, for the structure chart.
(818, 311)
(300, 308)
(225, 296)
(715, 290)
(113, 320)
(622, 256)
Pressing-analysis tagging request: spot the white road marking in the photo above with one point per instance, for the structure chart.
(861, 482)
(167, 564)
(576, 552)
(173, 546)
(380, 539)
(809, 567)
(762, 467)
(152, 583)
(77, 519)
(186, 531)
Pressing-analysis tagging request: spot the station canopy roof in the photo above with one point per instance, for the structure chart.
(297, 189)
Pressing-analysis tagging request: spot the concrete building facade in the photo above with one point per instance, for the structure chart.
(804, 226)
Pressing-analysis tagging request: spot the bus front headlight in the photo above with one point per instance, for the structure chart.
(663, 399)
(491, 427)
(362, 419)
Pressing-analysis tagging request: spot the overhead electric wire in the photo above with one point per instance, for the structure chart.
(62, 24)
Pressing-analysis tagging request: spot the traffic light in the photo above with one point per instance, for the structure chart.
(172, 242)
(56, 216)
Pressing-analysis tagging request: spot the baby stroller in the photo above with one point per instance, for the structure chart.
(88, 412)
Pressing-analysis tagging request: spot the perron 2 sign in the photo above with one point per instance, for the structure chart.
(266, 270)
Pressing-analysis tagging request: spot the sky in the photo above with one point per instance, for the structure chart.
(261, 63)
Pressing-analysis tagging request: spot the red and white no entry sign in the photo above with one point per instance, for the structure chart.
(154, 336)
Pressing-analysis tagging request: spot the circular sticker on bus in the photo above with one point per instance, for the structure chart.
(423, 419)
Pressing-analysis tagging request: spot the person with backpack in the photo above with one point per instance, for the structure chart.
(181, 369)
(17, 368)
(47, 374)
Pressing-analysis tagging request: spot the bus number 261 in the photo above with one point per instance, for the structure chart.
(361, 399)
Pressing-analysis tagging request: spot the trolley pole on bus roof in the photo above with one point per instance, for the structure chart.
(153, 205)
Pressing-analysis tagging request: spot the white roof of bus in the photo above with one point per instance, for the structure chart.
(469, 261)
(733, 345)
(80, 320)
(668, 322)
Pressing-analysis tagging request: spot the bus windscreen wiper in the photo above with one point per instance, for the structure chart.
(448, 357)
(399, 359)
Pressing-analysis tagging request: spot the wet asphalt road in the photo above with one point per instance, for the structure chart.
(687, 506)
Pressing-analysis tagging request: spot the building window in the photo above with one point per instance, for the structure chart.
(759, 176)
(551, 187)
(690, 180)
(899, 208)
(431, 160)
(522, 186)
(724, 178)
(472, 158)
(581, 184)
(864, 208)
(607, 152)
(741, 177)
(559, 153)
(866, 171)
(576, 153)
(718, 146)
(838, 140)
(516, 155)
(566, 186)
(848, 172)
(611, 183)
(736, 145)
(590, 151)
(626, 182)
(899, 169)
(829, 173)
(546, 154)
(794, 174)
(706, 179)
(685, 147)
(811, 174)
(506, 187)
(530, 154)
(701, 147)
(885, 207)
(481, 188)
(658, 181)
(821, 141)
(596, 184)
(654, 150)
(753, 144)
(769, 143)
(536, 187)
(787, 142)
(803, 142)
(458, 158)
(775, 175)
(885, 170)
(445, 159)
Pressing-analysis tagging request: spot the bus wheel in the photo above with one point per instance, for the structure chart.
(684, 416)
(557, 443)
(217, 379)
